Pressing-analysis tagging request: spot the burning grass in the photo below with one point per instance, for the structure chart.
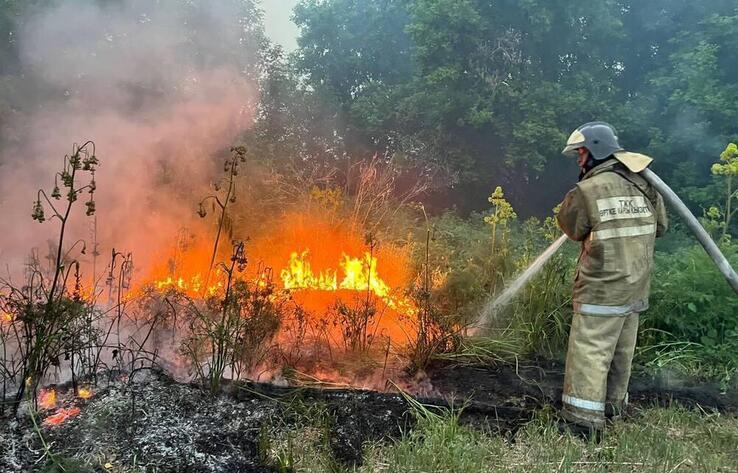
(47, 398)
(298, 296)
(310, 292)
(326, 266)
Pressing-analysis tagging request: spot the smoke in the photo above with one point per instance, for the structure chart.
(161, 87)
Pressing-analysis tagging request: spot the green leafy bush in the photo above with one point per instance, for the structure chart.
(691, 302)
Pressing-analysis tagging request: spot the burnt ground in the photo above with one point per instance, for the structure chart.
(535, 384)
(160, 425)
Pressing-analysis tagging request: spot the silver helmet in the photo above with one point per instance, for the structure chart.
(598, 137)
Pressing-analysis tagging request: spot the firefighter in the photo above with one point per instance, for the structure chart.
(616, 215)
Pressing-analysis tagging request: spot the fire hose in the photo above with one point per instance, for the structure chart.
(669, 196)
(673, 200)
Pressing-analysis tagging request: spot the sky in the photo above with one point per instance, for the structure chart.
(277, 23)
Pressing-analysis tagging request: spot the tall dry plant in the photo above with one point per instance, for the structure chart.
(435, 332)
(375, 193)
(224, 195)
(48, 318)
(230, 334)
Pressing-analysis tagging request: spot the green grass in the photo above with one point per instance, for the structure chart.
(668, 440)
(665, 440)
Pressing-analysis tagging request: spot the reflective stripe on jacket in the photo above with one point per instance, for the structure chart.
(616, 215)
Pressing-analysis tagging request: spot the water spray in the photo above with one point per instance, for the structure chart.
(494, 305)
(670, 197)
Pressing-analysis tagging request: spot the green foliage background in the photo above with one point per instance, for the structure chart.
(490, 90)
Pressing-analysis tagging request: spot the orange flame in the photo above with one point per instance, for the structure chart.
(61, 415)
(47, 399)
(191, 285)
(185, 271)
(359, 274)
(84, 393)
(320, 260)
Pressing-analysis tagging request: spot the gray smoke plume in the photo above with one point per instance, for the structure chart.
(160, 86)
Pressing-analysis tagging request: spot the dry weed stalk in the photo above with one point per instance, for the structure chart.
(376, 196)
(52, 317)
(435, 333)
(231, 334)
(46, 319)
(225, 188)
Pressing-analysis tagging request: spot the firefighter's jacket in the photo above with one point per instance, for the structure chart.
(616, 215)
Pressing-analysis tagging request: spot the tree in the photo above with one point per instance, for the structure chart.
(490, 90)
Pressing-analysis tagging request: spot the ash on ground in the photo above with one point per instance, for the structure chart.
(157, 424)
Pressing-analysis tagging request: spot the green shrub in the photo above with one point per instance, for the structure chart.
(691, 302)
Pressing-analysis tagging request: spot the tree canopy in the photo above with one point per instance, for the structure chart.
(489, 91)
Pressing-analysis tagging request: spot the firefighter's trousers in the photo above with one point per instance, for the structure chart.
(598, 366)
